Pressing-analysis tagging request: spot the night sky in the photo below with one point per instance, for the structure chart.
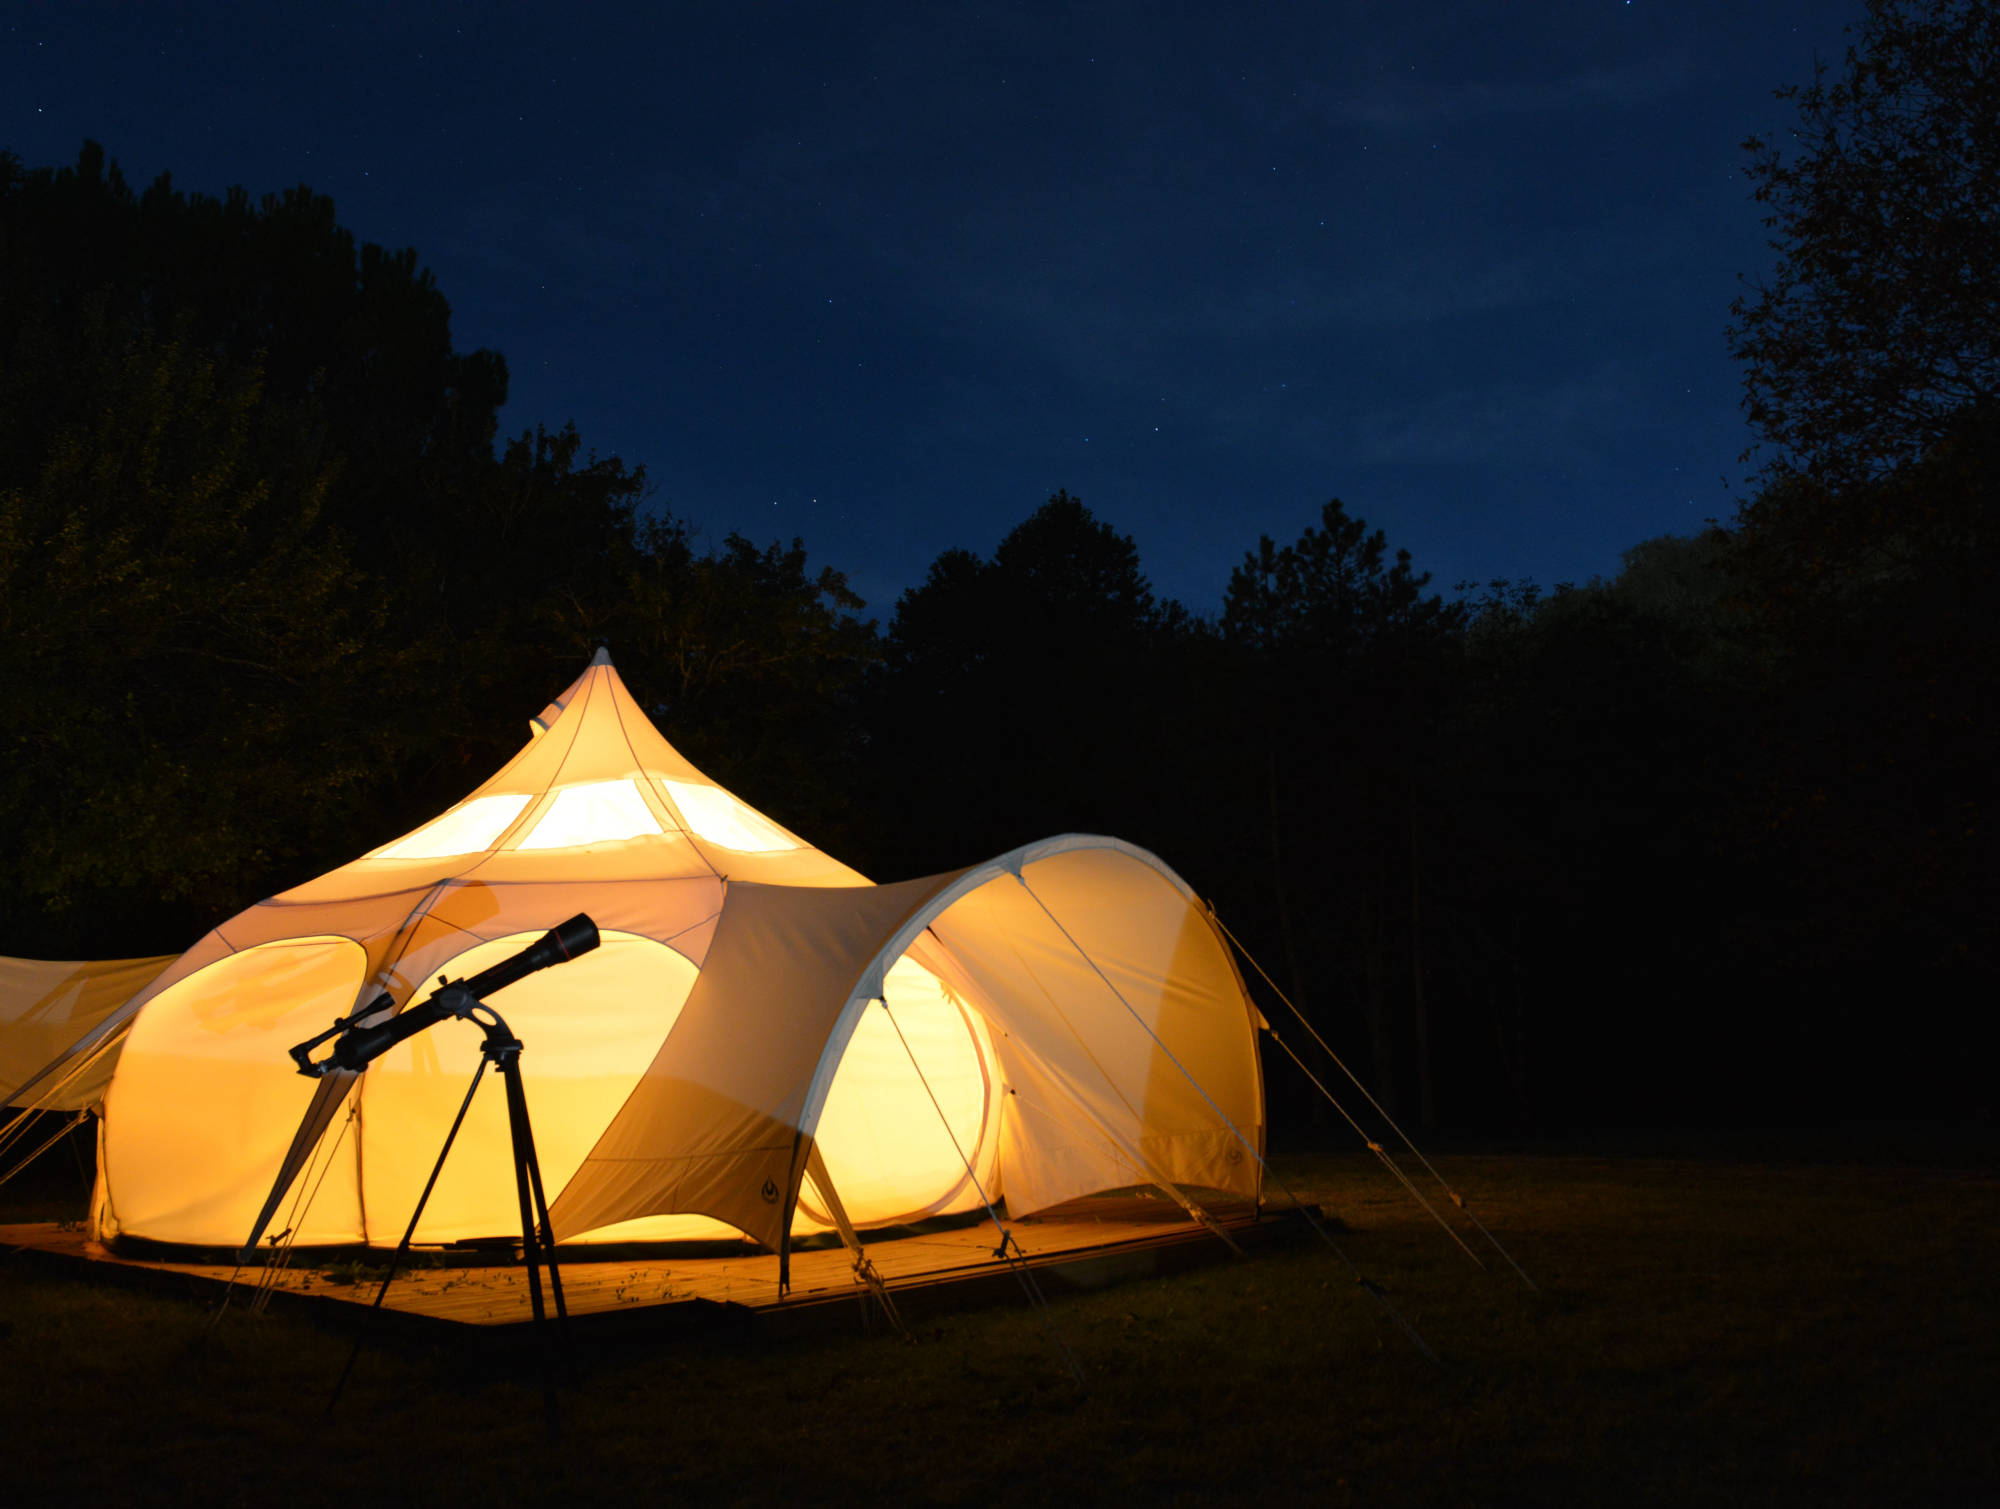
(884, 277)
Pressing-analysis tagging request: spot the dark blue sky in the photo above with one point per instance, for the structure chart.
(884, 277)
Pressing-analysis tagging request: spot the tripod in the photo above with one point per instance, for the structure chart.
(501, 1050)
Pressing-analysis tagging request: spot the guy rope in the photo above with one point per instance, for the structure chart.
(1373, 1146)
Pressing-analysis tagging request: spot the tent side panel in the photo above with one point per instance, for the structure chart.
(711, 1128)
(1157, 949)
(1122, 1029)
(1046, 1147)
(205, 1101)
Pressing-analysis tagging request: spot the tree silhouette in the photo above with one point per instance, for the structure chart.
(263, 569)
(1341, 671)
(1879, 324)
(1333, 592)
(1027, 695)
(180, 635)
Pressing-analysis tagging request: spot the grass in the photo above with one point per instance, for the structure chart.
(1707, 1331)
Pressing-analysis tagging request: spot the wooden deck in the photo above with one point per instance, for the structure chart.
(1083, 1245)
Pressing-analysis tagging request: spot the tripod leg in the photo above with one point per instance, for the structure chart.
(409, 1232)
(532, 1165)
(517, 1115)
(531, 1237)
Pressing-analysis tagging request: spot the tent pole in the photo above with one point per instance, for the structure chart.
(785, 1217)
(285, 1243)
(865, 1270)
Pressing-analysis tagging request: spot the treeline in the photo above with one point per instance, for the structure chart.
(271, 585)
(1711, 840)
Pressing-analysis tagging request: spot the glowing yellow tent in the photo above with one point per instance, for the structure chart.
(1061, 1020)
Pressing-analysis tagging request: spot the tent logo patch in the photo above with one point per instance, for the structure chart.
(770, 1192)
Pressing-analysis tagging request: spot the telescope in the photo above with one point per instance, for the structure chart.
(374, 1030)
(377, 1027)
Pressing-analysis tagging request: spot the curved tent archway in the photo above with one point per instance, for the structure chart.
(1119, 1027)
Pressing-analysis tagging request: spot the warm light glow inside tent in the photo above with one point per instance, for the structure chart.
(1060, 1020)
(207, 1099)
(893, 1153)
(601, 812)
(720, 818)
(469, 828)
(204, 1101)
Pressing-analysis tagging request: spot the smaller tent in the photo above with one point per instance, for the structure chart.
(48, 1005)
(763, 1042)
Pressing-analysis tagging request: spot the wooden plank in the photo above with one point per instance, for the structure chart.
(1079, 1246)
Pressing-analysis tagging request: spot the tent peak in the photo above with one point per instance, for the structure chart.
(603, 655)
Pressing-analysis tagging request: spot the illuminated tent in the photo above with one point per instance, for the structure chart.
(762, 1039)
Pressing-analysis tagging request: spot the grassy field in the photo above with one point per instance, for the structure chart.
(1720, 1329)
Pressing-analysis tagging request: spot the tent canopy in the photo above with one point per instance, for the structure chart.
(48, 1005)
(1060, 1020)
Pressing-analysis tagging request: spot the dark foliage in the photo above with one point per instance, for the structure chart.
(1028, 695)
(1879, 324)
(270, 596)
